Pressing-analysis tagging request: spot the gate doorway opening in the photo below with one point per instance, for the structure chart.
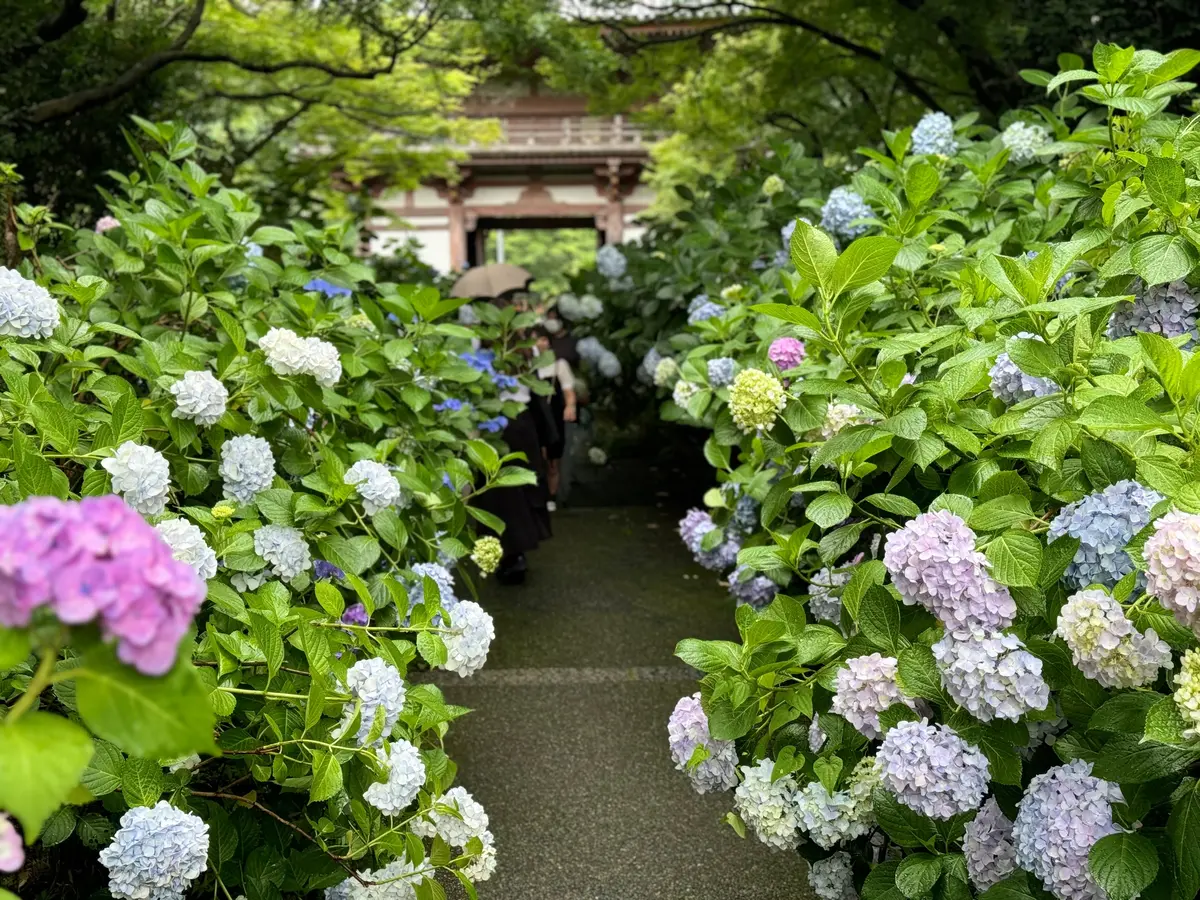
(553, 250)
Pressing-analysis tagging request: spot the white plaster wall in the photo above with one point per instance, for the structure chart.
(631, 232)
(434, 245)
(642, 195)
(426, 197)
(574, 193)
(494, 195)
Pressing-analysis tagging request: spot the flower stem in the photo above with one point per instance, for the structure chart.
(39, 682)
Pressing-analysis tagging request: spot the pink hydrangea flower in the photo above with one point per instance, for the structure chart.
(786, 352)
(106, 223)
(12, 851)
(97, 560)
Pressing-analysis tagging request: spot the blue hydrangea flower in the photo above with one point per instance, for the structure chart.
(156, 854)
(745, 513)
(480, 360)
(323, 570)
(705, 311)
(1104, 522)
(610, 262)
(494, 426)
(934, 134)
(451, 404)
(327, 288)
(721, 371)
(504, 382)
(1166, 309)
(841, 210)
(752, 590)
(447, 480)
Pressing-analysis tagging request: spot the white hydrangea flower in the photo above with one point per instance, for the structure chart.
(188, 546)
(832, 878)
(249, 581)
(687, 729)
(156, 853)
(406, 776)
(934, 134)
(455, 830)
(683, 392)
(1105, 645)
(839, 416)
(27, 310)
(597, 456)
(284, 548)
(483, 867)
(378, 687)
(608, 364)
(988, 847)
(1023, 141)
(289, 354)
(767, 807)
(865, 687)
(247, 467)
(611, 262)
(1063, 813)
(377, 486)
(991, 675)
(816, 734)
(932, 770)
(395, 881)
(182, 764)
(591, 306)
(831, 819)
(1187, 691)
(200, 397)
(666, 371)
(470, 636)
(141, 475)
(1173, 566)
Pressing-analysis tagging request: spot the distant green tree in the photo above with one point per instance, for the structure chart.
(554, 256)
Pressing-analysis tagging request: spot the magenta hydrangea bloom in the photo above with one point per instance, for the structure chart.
(97, 560)
(786, 352)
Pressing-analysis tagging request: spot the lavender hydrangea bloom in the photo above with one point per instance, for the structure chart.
(830, 819)
(991, 675)
(441, 577)
(1063, 813)
(12, 849)
(786, 352)
(326, 571)
(1104, 522)
(687, 729)
(470, 637)
(823, 602)
(988, 847)
(406, 776)
(693, 526)
(1166, 309)
(156, 853)
(611, 262)
(816, 734)
(841, 210)
(721, 371)
(379, 689)
(355, 614)
(751, 590)
(1012, 385)
(933, 562)
(1105, 645)
(934, 134)
(1173, 566)
(767, 807)
(702, 312)
(932, 770)
(864, 688)
(745, 514)
(832, 878)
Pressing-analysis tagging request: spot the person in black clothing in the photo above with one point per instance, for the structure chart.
(562, 409)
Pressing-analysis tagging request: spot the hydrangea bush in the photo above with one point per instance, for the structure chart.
(236, 492)
(977, 497)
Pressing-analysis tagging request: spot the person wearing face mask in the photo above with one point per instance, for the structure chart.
(562, 408)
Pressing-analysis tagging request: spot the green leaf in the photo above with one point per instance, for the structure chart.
(276, 505)
(828, 769)
(58, 828)
(1121, 414)
(1183, 827)
(42, 757)
(828, 510)
(909, 423)
(157, 718)
(1160, 258)
(1166, 359)
(432, 648)
(1126, 760)
(141, 781)
(331, 599)
(268, 639)
(1001, 513)
(1164, 182)
(103, 774)
(920, 183)
(904, 826)
(866, 260)
(1165, 723)
(894, 503)
(1104, 463)
(917, 673)
(1016, 558)
(879, 619)
(14, 647)
(918, 874)
(813, 255)
(1123, 864)
(326, 777)
(709, 656)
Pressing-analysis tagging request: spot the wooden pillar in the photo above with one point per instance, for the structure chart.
(456, 215)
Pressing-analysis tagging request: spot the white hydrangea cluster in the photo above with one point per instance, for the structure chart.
(841, 210)
(988, 847)
(933, 562)
(378, 687)
(406, 776)
(1063, 813)
(1023, 141)
(768, 808)
(289, 354)
(1105, 645)
(1166, 309)
(816, 734)
(470, 637)
(683, 392)
(395, 881)
(27, 310)
(1104, 522)
(456, 831)
(666, 371)
(823, 602)
(1173, 566)
(376, 485)
(575, 309)
(832, 878)
(284, 548)
(483, 867)
(200, 397)
(864, 688)
(141, 475)
(934, 134)
(609, 364)
(991, 675)
(247, 467)
(611, 262)
(156, 853)
(831, 819)
(188, 546)
(932, 770)
(721, 371)
(1012, 385)
(839, 416)
(687, 729)
(441, 577)
(1187, 691)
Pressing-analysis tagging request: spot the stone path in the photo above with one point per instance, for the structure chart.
(567, 746)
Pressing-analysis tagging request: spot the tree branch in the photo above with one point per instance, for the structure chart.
(248, 152)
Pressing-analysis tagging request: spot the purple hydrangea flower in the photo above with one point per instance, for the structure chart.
(1166, 309)
(988, 847)
(991, 675)
(687, 729)
(326, 571)
(1173, 564)
(97, 560)
(12, 850)
(786, 352)
(1104, 522)
(932, 770)
(355, 614)
(752, 590)
(865, 688)
(693, 527)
